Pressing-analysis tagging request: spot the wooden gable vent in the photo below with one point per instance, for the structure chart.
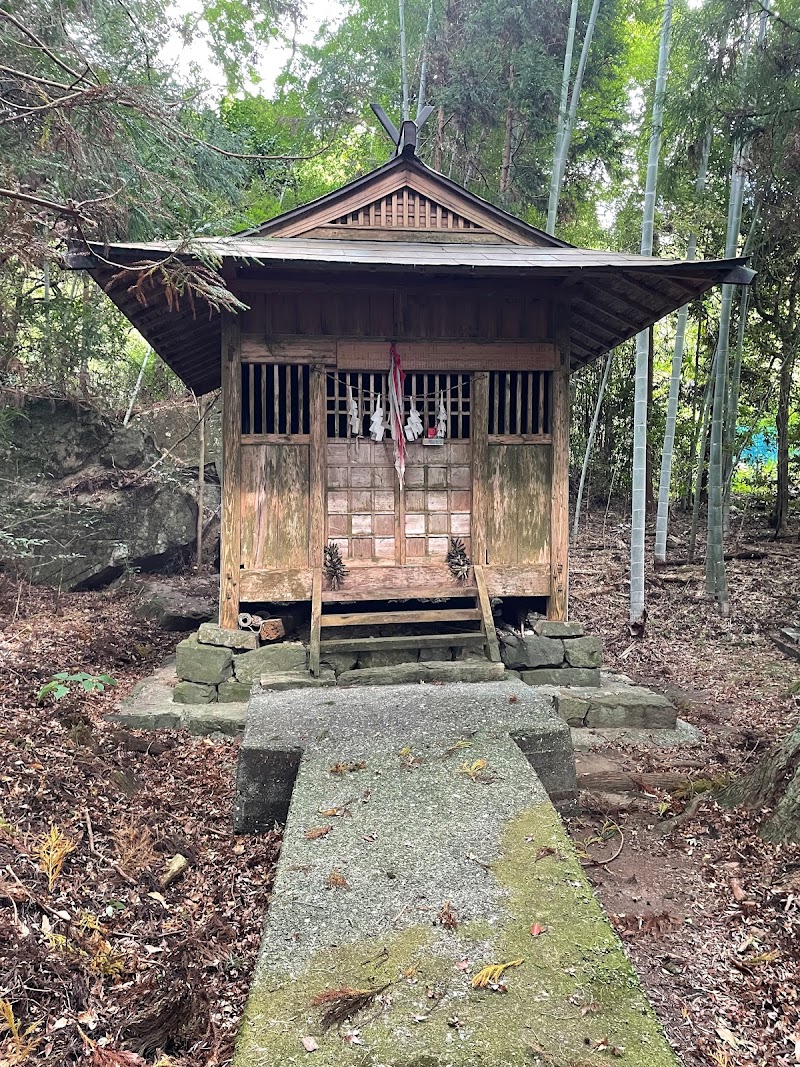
(408, 209)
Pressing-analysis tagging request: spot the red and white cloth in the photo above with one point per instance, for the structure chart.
(396, 380)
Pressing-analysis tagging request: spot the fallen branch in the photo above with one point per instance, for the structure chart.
(604, 863)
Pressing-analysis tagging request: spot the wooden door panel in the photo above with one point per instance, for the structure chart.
(275, 506)
(518, 511)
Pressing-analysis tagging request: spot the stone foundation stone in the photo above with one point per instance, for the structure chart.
(388, 657)
(233, 692)
(624, 705)
(531, 651)
(269, 659)
(552, 628)
(581, 676)
(340, 661)
(584, 651)
(297, 680)
(241, 640)
(194, 693)
(206, 664)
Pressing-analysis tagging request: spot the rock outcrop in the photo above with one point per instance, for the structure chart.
(82, 502)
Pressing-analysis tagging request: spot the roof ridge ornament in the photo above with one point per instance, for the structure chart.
(404, 139)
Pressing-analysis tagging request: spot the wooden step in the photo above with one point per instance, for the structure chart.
(391, 618)
(363, 644)
(451, 591)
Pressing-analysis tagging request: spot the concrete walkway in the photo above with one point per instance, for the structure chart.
(421, 847)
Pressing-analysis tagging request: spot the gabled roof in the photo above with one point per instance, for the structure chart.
(386, 190)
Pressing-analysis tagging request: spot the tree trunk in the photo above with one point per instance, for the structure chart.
(701, 462)
(638, 613)
(505, 167)
(662, 518)
(552, 203)
(781, 513)
(566, 139)
(650, 499)
(589, 443)
(773, 784)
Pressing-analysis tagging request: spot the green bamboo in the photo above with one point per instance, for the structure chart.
(552, 203)
(662, 516)
(639, 474)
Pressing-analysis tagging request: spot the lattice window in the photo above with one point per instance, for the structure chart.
(519, 403)
(275, 399)
(424, 391)
(408, 209)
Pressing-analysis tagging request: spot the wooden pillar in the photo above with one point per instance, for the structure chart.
(317, 465)
(480, 465)
(230, 547)
(557, 605)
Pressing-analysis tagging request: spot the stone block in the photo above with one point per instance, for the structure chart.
(232, 692)
(205, 664)
(270, 659)
(297, 680)
(165, 717)
(531, 651)
(339, 661)
(225, 719)
(584, 651)
(561, 676)
(454, 671)
(438, 655)
(553, 628)
(387, 657)
(194, 693)
(623, 705)
(241, 640)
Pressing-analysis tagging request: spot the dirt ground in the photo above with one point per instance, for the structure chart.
(709, 912)
(105, 961)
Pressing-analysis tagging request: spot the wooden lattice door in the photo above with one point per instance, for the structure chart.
(368, 516)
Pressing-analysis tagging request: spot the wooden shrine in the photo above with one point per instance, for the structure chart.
(480, 316)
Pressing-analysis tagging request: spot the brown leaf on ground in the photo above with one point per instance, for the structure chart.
(316, 832)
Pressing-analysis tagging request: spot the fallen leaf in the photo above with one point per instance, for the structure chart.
(727, 1036)
(537, 930)
(317, 832)
(309, 1044)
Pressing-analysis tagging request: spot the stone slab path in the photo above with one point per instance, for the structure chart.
(421, 847)
(280, 727)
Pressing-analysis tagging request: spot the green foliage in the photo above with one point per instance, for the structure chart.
(61, 684)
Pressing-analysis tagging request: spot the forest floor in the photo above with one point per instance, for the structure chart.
(710, 913)
(105, 961)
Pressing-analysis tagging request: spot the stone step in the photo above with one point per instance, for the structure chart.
(363, 644)
(434, 671)
(407, 868)
(616, 705)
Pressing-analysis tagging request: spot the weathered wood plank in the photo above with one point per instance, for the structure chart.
(317, 466)
(231, 430)
(526, 580)
(480, 469)
(448, 356)
(518, 494)
(490, 632)
(274, 506)
(282, 586)
(385, 618)
(362, 644)
(316, 612)
(558, 604)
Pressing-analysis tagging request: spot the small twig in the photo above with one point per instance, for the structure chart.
(114, 866)
(603, 863)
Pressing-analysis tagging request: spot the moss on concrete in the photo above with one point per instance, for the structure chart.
(431, 1017)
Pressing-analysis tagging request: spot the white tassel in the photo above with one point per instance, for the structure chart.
(441, 421)
(353, 414)
(377, 423)
(413, 427)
